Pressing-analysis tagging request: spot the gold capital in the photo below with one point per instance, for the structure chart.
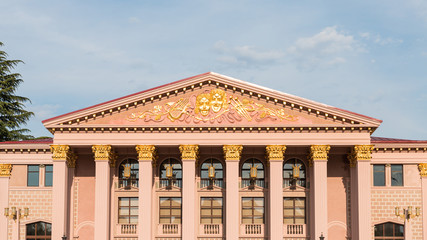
(360, 153)
(147, 153)
(423, 169)
(318, 152)
(104, 153)
(63, 153)
(232, 152)
(275, 152)
(189, 152)
(5, 170)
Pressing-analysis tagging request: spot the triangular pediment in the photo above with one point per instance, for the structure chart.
(210, 100)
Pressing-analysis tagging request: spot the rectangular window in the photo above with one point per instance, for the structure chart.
(48, 176)
(396, 175)
(33, 175)
(252, 210)
(128, 210)
(210, 210)
(294, 210)
(170, 210)
(379, 175)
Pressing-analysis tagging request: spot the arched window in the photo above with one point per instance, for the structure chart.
(389, 231)
(176, 170)
(219, 173)
(249, 164)
(39, 231)
(129, 173)
(294, 173)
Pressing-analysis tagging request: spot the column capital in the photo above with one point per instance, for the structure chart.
(104, 153)
(318, 153)
(275, 152)
(64, 153)
(423, 169)
(147, 153)
(360, 153)
(5, 170)
(232, 152)
(189, 152)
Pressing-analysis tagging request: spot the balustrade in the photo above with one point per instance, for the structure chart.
(128, 228)
(170, 228)
(294, 230)
(253, 229)
(211, 229)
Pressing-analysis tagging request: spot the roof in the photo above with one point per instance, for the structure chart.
(32, 141)
(394, 140)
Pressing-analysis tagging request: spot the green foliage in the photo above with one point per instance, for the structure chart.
(12, 112)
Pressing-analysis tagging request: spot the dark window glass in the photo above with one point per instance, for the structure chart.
(177, 172)
(252, 210)
(48, 176)
(133, 180)
(246, 173)
(390, 231)
(219, 173)
(379, 175)
(128, 210)
(39, 231)
(396, 175)
(170, 210)
(210, 210)
(291, 166)
(33, 176)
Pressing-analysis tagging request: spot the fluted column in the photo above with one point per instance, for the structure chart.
(189, 154)
(275, 158)
(232, 155)
(318, 159)
(360, 174)
(5, 170)
(104, 159)
(147, 158)
(62, 157)
(423, 174)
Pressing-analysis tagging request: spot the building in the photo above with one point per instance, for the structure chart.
(211, 157)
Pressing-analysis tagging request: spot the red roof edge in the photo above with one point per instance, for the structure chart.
(133, 94)
(32, 141)
(394, 140)
(358, 114)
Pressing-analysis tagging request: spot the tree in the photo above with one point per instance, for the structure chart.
(12, 112)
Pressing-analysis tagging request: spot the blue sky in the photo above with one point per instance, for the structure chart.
(369, 57)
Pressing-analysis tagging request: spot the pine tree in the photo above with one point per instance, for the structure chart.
(12, 112)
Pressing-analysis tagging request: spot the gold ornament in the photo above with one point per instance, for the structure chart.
(189, 152)
(5, 170)
(318, 152)
(423, 169)
(104, 153)
(360, 153)
(275, 152)
(63, 153)
(232, 152)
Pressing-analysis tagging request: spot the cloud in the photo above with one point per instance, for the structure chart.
(378, 39)
(326, 48)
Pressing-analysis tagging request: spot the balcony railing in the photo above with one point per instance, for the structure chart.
(252, 229)
(128, 183)
(206, 182)
(287, 182)
(165, 182)
(248, 182)
(294, 230)
(211, 229)
(170, 229)
(128, 228)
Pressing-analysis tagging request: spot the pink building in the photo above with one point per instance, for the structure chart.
(211, 158)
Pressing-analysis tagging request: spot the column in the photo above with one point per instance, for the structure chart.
(232, 155)
(62, 157)
(275, 158)
(104, 159)
(423, 173)
(318, 159)
(189, 154)
(147, 158)
(5, 170)
(360, 173)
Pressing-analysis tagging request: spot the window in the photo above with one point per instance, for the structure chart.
(131, 178)
(294, 210)
(289, 168)
(219, 173)
(170, 210)
(128, 210)
(39, 231)
(33, 176)
(252, 210)
(48, 176)
(246, 173)
(389, 231)
(177, 172)
(396, 175)
(210, 210)
(379, 175)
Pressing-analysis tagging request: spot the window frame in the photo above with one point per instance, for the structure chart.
(170, 208)
(393, 237)
(391, 175)
(294, 217)
(303, 170)
(374, 175)
(33, 172)
(38, 237)
(46, 177)
(129, 207)
(253, 208)
(134, 179)
(211, 217)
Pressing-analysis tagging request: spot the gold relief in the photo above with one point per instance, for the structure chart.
(189, 152)
(147, 153)
(232, 152)
(360, 153)
(218, 100)
(104, 153)
(275, 152)
(423, 169)
(64, 153)
(318, 152)
(5, 170)
(203, 104)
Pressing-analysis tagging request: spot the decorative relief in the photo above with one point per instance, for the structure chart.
(146, 152)
(64, 153)
(104, 153)
(189, 152)
(423, 169)
(318, 152)
(275, 152)
(213, 107)
(5, 170)
(232, 152)
(360, 153)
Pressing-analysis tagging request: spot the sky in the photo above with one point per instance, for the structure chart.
(368, 57)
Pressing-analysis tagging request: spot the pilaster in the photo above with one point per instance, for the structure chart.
(423, 174)
(232, 154)
(275, 155)
(5, 171)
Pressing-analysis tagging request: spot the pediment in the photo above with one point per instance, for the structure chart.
(210, 100)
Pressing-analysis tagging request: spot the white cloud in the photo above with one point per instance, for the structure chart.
(378, 39)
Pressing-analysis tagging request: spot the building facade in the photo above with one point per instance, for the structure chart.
(210, 158)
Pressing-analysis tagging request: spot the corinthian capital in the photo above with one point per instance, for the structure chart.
(318, 153)
(63, 153)
(423, 169)
(5, 170)
(104, 153)
(232, 152)
(360, 153)
(275, 152)
(189, 152)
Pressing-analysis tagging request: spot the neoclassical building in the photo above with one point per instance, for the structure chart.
(211, 158)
